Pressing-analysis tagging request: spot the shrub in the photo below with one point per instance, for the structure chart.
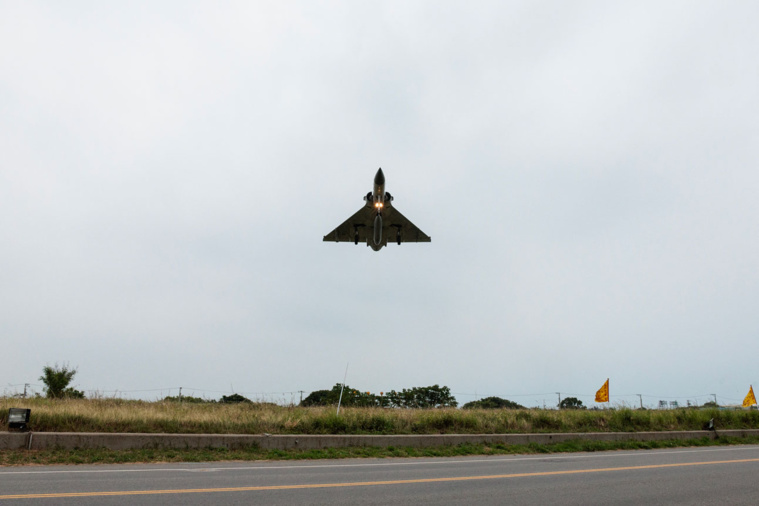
(492, 403)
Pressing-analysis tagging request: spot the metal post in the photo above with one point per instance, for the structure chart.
(559, 394)
(343, 388)
(641, 400)
(180, 394)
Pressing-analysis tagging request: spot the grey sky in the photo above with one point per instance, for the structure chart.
(587, 172)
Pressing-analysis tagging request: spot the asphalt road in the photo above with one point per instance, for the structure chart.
(723, 475)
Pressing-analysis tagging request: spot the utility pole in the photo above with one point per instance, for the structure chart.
(25, 386)
(641, 400)
(180, 394)
(715, 398)
(301, 396)
(559, 394)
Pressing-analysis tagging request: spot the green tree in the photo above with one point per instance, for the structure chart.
(234, 398)
(187, 399)
(492, 403)
(317, 398)
(351, 397)
(331, 397)
(571, 403)
(433, 396)
(419, 397)
(57, 379)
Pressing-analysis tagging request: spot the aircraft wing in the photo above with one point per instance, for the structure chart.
(362, 221)
(399, 223)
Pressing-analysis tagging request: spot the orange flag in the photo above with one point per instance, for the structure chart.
(603, 394)
(750, 399)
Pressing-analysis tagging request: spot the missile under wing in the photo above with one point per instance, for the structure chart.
(377, 222)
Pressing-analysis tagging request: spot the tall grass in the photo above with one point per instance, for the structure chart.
(115, 415)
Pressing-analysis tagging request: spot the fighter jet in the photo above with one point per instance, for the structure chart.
(377, 222)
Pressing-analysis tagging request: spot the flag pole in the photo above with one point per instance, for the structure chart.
(341, 389)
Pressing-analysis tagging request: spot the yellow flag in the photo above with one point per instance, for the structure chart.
(750, 399)
(603, 394)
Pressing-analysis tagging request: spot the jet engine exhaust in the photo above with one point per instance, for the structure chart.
(378, 230)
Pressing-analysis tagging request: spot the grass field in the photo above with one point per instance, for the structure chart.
(115, 415)
(103, 456)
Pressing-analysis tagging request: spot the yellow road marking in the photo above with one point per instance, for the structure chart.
(365, 483)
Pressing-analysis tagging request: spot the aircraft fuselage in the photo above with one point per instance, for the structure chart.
(377, 222)
(378, 199)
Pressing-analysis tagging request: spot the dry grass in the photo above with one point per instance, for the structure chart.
(115, 415)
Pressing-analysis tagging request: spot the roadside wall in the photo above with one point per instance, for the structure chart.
(84, 440)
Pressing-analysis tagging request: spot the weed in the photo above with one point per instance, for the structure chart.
(117, 416)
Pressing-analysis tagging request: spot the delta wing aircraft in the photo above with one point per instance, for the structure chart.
(377, 222)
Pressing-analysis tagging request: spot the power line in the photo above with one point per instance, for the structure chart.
(300, 393)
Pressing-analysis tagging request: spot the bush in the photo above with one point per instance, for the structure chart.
(234, 398)
(571, 403)
(492, 403)
(185, 398)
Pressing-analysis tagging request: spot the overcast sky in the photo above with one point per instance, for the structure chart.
(587, 172)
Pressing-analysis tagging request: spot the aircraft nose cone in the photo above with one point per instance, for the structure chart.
(379, 178)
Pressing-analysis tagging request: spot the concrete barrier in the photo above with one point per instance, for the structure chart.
(89, 440)
(13, 440)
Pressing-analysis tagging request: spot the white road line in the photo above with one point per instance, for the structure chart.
(442, 461)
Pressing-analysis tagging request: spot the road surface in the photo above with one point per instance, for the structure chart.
(717, 475)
